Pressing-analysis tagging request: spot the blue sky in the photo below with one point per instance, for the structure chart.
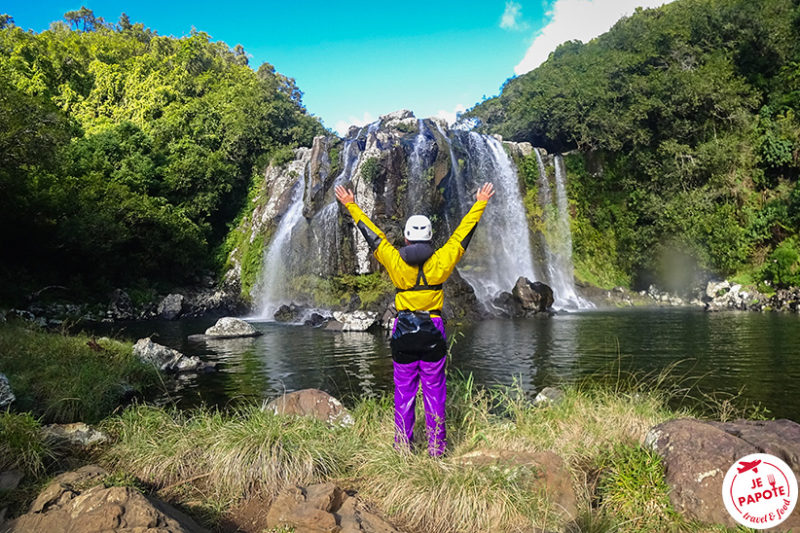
(355, 61)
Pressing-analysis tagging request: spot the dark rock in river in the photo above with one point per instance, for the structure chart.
(78, 502)
(120, 306)
(532, 297)
(698, 454)
(289, 313)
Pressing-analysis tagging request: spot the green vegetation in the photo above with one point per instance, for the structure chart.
(209, 460)
(21, 444)
(127, 154)
(685, 122)
(370, 170)
(337, 291)
(70, 378)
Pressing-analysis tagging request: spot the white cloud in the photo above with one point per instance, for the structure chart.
(511, 17)
(342, 126)
(451, 116)
(577, 19)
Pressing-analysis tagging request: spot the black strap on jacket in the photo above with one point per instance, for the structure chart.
(421, 284)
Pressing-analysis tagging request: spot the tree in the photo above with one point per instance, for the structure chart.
(6, 21)
(84, 17)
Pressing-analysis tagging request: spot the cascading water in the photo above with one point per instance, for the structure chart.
(274, 284)
(500, 250)
(434, 172)
(558, 237)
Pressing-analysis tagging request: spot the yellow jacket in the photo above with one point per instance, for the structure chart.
(419, 288)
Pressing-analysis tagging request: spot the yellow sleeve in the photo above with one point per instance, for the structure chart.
(448, 255)
(385, 253)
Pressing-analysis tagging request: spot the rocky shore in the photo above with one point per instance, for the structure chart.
(687, 458)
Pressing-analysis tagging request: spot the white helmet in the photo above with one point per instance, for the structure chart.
(418, 228)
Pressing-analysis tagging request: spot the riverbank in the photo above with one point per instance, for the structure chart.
(591, 473)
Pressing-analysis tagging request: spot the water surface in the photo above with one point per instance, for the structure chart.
(751, 354)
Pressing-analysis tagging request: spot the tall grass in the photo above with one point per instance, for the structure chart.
(597, 431)
(69, 378)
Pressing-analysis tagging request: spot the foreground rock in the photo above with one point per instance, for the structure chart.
(698, 454)
(78, 502)
(314, 403)
(6, 394)
(229, 327)
(543, 471)
(77, 435)
(167, 359)
(324, 508)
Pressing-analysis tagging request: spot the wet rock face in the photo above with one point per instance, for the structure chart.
(170, 307)
(527, 298)
(314, 403)
(697, 455)
(66, 505)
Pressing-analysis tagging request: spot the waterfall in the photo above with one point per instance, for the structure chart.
(558, 237)
(325, 244)
(274, 283)
(500, 250)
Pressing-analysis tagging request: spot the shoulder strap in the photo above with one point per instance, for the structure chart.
(422, 283)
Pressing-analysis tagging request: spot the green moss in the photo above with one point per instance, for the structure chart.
(252, 259)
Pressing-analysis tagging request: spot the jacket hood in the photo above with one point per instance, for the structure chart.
(415, 254)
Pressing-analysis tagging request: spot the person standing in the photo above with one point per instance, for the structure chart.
(418, 337)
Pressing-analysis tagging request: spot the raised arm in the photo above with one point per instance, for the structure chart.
(449, 254)
(370, 231)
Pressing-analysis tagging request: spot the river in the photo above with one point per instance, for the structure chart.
(755, 357)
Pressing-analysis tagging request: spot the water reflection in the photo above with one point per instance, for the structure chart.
(758, 354)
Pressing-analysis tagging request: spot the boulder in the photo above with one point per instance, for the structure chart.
(507, 306)
(543, 471)
(6, 394)
(289, 313)
(229, 327)
(67, 506)
(533, 297)
(167, 359)
(120, 306)
(170, 307)
(356, 321)
(312, 402)
(324, 508)
(549, 396)
(77, 435)
(698, 454)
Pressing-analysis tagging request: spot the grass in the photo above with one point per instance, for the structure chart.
(63, 378)
(22, 446)
(208, 460)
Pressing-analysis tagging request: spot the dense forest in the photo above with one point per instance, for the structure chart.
(684, 129)
(128, 155)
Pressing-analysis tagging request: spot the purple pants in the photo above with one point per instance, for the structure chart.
(407, 378)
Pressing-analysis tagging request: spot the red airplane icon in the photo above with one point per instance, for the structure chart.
(749, 465)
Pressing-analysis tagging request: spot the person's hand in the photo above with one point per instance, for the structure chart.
(485, 192)
(344, 195)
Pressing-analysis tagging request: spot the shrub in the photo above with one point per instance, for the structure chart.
(782, 267)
